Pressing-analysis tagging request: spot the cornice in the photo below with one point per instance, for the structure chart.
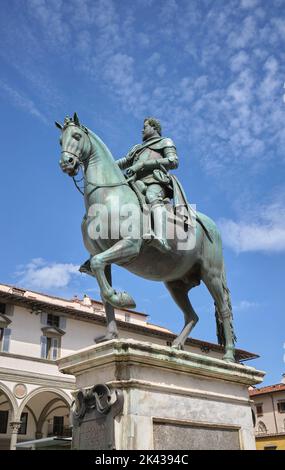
(153, 355)
(14, 375)
(174, 390)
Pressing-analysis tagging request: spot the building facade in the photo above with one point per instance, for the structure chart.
(37, 329)
(269, 404)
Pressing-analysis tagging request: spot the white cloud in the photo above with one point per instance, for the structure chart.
(241, 89)
(39, 274)
(243, 305)
(154, 59)
(249, 3)
(22, 49)
(83, 43)
(21, 101)
(168, 11)
(119, 72)
(50, 14)
(239, 60)
(143, 39)
(279, 24)
(265, 234)
(241, 37)
(218, 59)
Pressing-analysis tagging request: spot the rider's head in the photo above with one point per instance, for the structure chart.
(152, 128)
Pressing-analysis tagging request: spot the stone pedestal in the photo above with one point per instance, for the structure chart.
(139, 395)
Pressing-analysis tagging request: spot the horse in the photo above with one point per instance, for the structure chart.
(106, 186)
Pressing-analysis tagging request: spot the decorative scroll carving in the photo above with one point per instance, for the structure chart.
(93, 413)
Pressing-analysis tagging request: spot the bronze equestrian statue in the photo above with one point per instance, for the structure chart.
(155, 254)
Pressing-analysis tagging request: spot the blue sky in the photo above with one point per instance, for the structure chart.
(213, 72)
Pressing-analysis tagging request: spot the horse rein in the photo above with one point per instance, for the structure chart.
(96, 186)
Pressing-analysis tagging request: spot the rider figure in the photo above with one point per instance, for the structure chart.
(150, 162)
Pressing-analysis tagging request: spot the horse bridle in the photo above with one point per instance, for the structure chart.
(67, 151)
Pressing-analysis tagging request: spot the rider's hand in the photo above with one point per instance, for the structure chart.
(130, 172)
(134, 169)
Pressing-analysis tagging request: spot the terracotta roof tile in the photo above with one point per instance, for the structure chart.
(268, 389)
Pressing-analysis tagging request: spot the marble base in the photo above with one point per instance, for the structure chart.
(170, 399)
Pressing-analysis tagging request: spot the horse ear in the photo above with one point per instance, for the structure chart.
(76, 119)
(58, 125)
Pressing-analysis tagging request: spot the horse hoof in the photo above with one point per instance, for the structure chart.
(229, 358)
(121, 300)
(177, 346)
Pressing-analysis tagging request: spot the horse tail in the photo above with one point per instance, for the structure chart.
(219, 321)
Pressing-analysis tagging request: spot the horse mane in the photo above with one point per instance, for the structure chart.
(99, 141)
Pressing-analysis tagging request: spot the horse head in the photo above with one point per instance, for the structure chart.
(75, 143)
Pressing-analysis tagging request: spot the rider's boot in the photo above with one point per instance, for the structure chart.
(159, 235)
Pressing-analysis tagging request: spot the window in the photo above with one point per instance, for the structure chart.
(52, 320)
(281, 406)
(58, 425)
(24, 423)
(127, 317)
(5, 335)
(3, 421)
(2, 308)
(259, 409)
(261, 428)
(48, 351)
(50, 347)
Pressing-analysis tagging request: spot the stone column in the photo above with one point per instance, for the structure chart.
(169, 399)
(15, 426)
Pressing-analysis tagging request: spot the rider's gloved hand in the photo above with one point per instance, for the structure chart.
(130, 172)
(134, 169)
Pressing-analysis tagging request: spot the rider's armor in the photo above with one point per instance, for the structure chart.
(158, 154)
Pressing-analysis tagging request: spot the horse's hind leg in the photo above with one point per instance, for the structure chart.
(179, 292)
(218, 290)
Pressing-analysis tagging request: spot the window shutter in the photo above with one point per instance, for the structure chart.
(62, 323)
(54, 343)
(6, 339)
(44, 318)
(9, 310)
(43, 347)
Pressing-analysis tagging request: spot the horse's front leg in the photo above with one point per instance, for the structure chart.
(123, 251)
